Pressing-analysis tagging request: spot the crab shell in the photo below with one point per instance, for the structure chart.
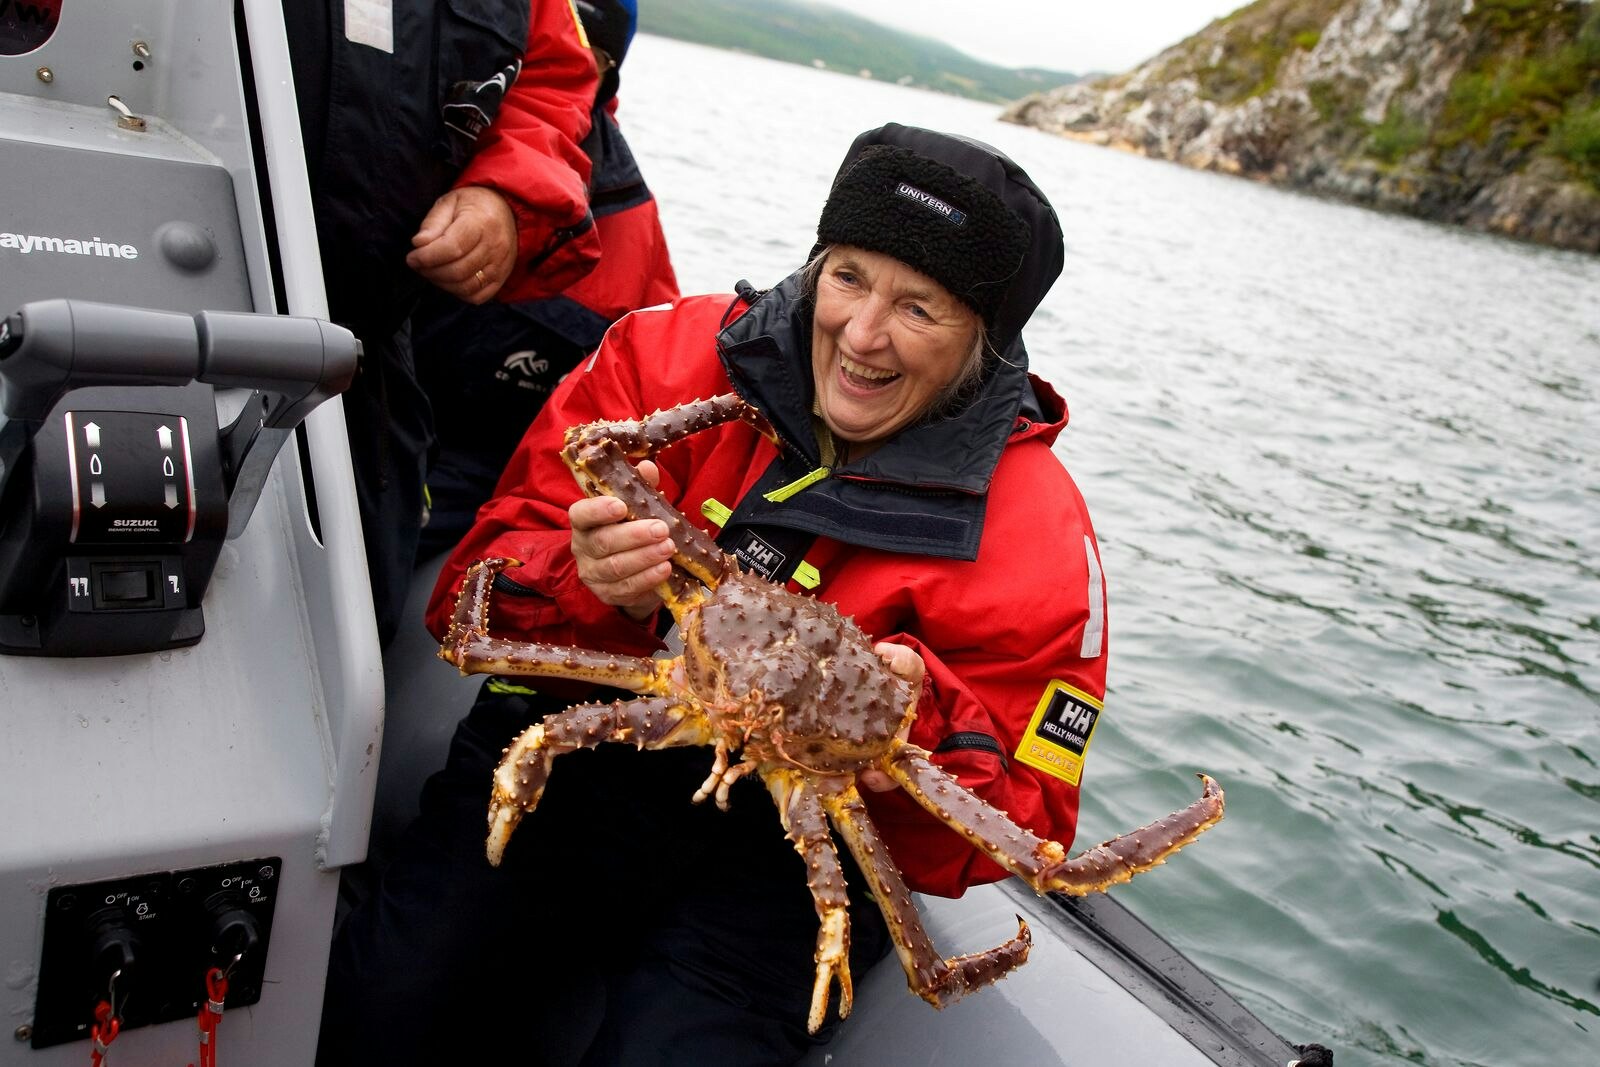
(798, 681)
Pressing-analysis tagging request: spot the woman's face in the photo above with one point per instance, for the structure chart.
(886, 339)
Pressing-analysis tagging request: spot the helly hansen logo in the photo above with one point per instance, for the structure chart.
(1067, 722)
(932, 203)
(756, 555)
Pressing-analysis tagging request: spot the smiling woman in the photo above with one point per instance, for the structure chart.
(918, 258)
(880, 464)
(889, 345)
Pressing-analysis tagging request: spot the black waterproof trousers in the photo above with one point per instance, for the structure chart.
(627, 925)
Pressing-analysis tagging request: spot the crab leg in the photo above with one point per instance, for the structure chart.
(649, 722)
(601, 456)
(1043, 864)
(935, 979)
(643, 438)
(603, 469)
(719, 767)
(469, 646)
(731, 775)
(722, 777)
(807, 828)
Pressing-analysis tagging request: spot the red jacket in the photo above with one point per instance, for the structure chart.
(635, 269)
(531, 155)
(994, 631)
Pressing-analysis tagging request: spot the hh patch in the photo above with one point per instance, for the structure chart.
(1058, 735)
(756, 554)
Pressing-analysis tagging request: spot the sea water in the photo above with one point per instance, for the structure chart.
(1345, 472)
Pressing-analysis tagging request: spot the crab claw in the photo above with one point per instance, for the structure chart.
(833, 961)
(518, 784)
(505, 812)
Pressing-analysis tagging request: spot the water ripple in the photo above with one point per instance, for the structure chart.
(1520, 975)
(1345, 471)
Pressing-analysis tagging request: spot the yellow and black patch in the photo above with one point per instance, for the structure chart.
(1058, 735)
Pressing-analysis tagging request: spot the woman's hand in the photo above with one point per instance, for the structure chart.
(622, 561)
(903, 661)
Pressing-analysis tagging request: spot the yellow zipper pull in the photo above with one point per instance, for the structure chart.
(716, 511)
(806, 576)
(784, 492)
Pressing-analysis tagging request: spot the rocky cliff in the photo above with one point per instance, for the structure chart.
(1484, 113)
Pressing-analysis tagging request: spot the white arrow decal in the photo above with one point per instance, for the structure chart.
(164, 435)
(91, 434)
(97, 494)
(172, 495)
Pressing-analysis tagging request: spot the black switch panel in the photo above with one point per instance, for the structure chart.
(159, 933)
(118, 583)
(100, 498)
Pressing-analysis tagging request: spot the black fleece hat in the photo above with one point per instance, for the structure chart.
(957, 210)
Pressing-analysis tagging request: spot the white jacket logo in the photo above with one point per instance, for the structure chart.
(28, 243)
(528, 363)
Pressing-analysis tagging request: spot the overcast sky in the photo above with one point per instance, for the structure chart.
(1069, 35)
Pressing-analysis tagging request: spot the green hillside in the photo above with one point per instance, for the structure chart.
(818, 35)
(1527, 81)
(1484, 114)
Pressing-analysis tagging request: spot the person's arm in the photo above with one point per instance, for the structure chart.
(991, 641)
(517, 224)
(527, 520)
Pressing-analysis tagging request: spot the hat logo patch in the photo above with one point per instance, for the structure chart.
(932, 203)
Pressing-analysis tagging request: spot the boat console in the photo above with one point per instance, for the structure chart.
(190, 686)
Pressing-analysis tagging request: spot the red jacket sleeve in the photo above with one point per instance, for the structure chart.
(635, 269)
(994, 634)
(531, 155)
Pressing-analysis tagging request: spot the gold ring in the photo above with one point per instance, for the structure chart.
(482, 281)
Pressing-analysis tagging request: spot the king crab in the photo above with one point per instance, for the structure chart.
(796, 691)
